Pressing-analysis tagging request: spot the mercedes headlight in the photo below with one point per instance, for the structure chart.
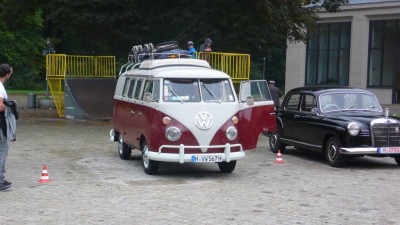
(231, 133)
(353, 128)
(173, 133)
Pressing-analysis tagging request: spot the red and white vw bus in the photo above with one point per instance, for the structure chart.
(181, 110)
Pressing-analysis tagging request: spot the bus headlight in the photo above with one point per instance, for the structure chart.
(173, 133)
(353, 128)
(231, 133)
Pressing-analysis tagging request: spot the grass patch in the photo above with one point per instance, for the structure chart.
(16, 92)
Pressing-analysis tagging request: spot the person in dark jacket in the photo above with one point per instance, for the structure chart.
(206, 47)
(275, 93)
(5, 73)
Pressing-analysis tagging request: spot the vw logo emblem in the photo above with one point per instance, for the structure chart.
(203, 120)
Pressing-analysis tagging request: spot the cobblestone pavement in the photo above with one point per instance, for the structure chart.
(91, 185)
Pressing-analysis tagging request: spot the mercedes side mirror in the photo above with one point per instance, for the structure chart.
(315, 111)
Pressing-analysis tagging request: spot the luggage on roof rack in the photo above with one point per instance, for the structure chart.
(164, 50)
(166, 46)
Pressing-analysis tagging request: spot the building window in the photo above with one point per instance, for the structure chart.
(328, 55)
(384, 49)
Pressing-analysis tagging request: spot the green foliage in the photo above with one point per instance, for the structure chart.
(26, 79)
(101, 27)
(328, 5)
(21, 42)
(20, 92)
(234, 26)
(259, 27)
(256, 72)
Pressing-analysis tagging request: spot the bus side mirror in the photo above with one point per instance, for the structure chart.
(250, 100)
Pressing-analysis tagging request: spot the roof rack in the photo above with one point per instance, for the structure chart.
(165, 50)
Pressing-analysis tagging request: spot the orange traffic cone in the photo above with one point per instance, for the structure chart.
(279, 159)
(45, 176)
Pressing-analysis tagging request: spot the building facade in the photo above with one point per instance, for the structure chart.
(359, 46)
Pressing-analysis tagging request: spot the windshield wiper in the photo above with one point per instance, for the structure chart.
(173, 92)
(352, 106)
(211, 93)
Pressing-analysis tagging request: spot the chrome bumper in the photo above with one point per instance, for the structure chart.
(182, 157)
(367, 151)
(359, 151)
(112, 135)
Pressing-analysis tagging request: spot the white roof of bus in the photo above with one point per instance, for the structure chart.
(189, 72)
(177, 68)
(152, 64)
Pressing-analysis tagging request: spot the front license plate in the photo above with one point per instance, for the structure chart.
(206, 158)
(389, 150)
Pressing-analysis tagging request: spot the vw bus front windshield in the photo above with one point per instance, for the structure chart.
(216, 90)
(195, 90)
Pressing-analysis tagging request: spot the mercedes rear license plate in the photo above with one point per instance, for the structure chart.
(206, 158)
(389, 150)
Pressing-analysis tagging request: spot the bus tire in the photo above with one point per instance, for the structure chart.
(227, 167)
(149, 166)
(124, 150)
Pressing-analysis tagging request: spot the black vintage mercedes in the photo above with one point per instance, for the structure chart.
(340, 122)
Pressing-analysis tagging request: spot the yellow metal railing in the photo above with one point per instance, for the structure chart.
(237, 66)
(90, 66)
(55, 65)
(61, 66)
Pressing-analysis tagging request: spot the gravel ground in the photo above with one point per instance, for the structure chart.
(91, 185)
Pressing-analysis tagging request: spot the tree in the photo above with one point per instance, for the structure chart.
(21, 42)
(259, 27)
(99, 28)
(328, 5)
(236, 26)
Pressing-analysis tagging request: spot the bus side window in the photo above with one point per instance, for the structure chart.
(138, 89)
(126, 87)
(151, 89)
(131, 87)
(259, 91)
(156, 90)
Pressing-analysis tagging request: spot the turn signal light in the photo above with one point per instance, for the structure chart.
(166, 120)
(235, 120)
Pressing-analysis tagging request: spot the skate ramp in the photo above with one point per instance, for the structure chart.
(89, 98)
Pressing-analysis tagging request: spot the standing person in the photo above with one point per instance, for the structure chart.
(191, 49)
(5, 73)
(206, 47)
(275, 93)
